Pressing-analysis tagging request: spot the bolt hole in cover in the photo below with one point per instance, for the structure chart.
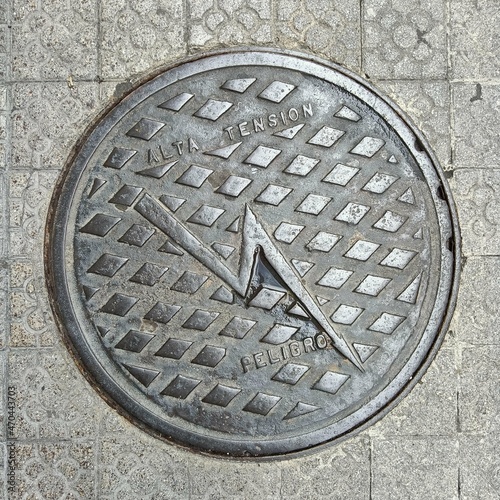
(250, 254)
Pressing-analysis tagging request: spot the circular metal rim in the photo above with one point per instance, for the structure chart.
(55, 243)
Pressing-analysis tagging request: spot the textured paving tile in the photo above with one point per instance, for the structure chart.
(30, 194)
(479, 396)
(427, 103)
(4, 123)
(4, 45)
(52, 399)
(31, 321)
(222, 23)
(431, 407)
(3, 397)
(340, 473)
(47, 119)
(137, 35)
(415, 468)
(54, 470)
(3, 301)
(476, 116)
(330, 29)
(134, 465)
(476, 193)
(29, 311)
(3, 216)
(234, 480)
(404, 39)
(478, 308)
(474, 39)
(479, 467)
(6, 481)
(53, 39)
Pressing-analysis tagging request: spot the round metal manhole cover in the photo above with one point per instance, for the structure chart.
(253, 254)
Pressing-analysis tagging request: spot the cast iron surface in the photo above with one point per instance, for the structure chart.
(253, 254)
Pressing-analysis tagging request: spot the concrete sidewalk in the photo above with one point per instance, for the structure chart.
(64, 61)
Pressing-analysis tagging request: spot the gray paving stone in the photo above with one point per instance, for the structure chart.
(330, 29)
(134, 465)
(4, 123)
(52, 400)
(478, 309)
(138, 35)
(3, 301)
(4, 479)
(3, 397)
(4, 13)
(427, 104)
(476, 193)
(54, 39)
(31, 322)
(3, 218)
(479, 467)
(28, 211)
(404, 39)
(339, 473)
(57, 469)
(431, 407)
(4, 46)
(479, 396)
(415, 468)
(30, 197)
(222, 23)
(476, 119)
(474, 39)
(219, 479)
(47, 119)
(3, 471)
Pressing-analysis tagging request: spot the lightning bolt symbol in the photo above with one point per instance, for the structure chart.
(254, 238)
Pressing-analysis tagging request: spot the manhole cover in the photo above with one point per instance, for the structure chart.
(253, 254)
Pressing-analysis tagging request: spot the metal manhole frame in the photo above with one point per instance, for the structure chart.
(99, 375)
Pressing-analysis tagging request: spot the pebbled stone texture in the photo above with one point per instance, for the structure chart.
(404, 39)
(136, 35)
(431, 407)
(330, 29)
(137, 466)
(54, 40)
(476, 194)
(428, 103)
(415, 468)
(57, 469)
(476, 322)
(224, 480)
(47, 119)
(218, 22)
(4, 123)
(476, 117)
(52, 401)
(337, 474)
(474, 42)
(479, 398)
(3, 305)
(479, 467)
